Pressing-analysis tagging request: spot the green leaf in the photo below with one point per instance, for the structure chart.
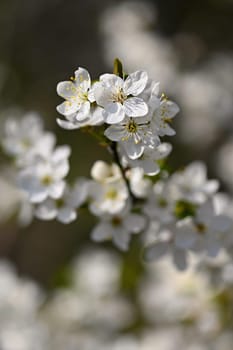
(118, 68)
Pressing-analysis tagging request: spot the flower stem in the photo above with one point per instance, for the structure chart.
(116, 157)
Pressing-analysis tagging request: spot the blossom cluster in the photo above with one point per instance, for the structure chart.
(167, 305)
(134, 114)
(177, 214)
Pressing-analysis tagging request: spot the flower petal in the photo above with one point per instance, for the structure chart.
(66, 89)
(135, 83)
(102, 232)
(68, 108)
(134, 223)
(67, 125)
(133, 150)
(155, 251)
(115, 132)
(121, 238)
(102, 95)
(180, 259)
(111, 80)
(82, 78)
(162, 150)
(83, 112)
(114, 113)
(149, 166)
(135, 107)
(221, 223)
(66, 215)
(46, 210)
(56, 190)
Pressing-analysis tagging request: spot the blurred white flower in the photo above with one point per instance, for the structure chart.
(25, 138)
(44, 178)
(118, 228)
(192, 184)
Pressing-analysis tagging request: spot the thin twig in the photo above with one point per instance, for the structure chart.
(116, 157)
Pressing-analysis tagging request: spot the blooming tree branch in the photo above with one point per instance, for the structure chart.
(178, 214)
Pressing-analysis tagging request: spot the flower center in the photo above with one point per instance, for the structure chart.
(47, 180)
(83, 96)
(120, 96)
(26, 143)
(184, 208)
(116, 221)
(111, 194)
(162, 202)
(131, 127)
(201, 228)
(60, 203)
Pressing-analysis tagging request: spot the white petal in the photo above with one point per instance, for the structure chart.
(46, 144)
(96, 117)
(212, 246)
(66, 89)
(172, 108)
(102, 232)
(66, 215)
(205, 213)
(82, 78)
(163, 150)
(135, 83)
(211, 186)
(67, 125)
(134, 223)
(111, 80)
(165, 129)
(133, 150)
(32, 186)
(61, 153)
(68, 108)
(56, 190)
(155, 88)
(180, 259)
(155, 251)
(185, 236)
(150, 167)
(102, 95)
(135, 107)
(83, 112)
(91, 95)
(221, 223)
(46, 210)
(38, 196)
(115, 132)
(121, 238)
(113, 113)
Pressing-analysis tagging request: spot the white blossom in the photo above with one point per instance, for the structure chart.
(25, 138)
(192, 184)
(119, 228)
(134, 135)
(105, 173)
(63, 209)
(45, 178)
(78, 95)
(162, 117)
(107, 198)
(118, 96)
(93, 118)
(140, 186)
(148, 161)
(165, 244)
